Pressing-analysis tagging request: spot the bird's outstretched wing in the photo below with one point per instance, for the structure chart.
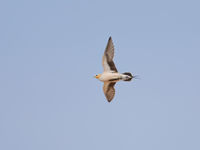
(109, 90)
(107, 62)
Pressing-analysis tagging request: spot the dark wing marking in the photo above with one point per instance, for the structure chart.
(107, 61)
(109, 90)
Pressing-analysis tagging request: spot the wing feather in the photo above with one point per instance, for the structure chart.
(109, 90)
(107, 61)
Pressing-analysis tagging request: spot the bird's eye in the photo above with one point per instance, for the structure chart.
(96, 75)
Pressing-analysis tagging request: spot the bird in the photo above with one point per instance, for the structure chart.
(110, 75)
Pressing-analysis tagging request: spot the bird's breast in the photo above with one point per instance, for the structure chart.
(109, 76)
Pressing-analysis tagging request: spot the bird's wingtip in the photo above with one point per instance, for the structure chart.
(109, 101)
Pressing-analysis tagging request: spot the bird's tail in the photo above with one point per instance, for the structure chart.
(127, 76)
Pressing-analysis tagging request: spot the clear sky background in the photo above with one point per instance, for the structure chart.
(50, 51)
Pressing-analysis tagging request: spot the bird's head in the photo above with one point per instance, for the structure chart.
(97, 76)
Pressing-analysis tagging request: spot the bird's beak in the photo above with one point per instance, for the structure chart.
(97, 76)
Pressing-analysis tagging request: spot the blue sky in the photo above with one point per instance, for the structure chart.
(50, 51)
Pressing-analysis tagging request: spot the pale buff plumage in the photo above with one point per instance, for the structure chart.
(110, 75)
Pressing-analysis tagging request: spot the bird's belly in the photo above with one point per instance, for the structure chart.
(110, 77)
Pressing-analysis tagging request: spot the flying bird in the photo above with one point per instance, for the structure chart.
(110, 75)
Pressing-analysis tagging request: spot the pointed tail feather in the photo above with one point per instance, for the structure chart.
(128, 76)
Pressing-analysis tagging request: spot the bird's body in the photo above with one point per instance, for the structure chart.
(113, 77)
(110, 75)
